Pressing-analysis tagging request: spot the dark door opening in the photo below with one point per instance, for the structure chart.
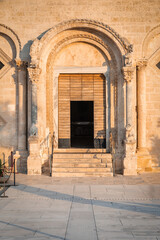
(82, 124)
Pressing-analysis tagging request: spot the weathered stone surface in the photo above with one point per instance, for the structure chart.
(53, 37)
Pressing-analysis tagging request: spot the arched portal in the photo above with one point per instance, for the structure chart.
(68, 63)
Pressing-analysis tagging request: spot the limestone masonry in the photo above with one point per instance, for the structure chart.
(80, 86)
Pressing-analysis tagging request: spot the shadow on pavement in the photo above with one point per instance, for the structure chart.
(129, 206)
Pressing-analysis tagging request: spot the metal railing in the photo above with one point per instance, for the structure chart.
(5, 174)
(48, 143)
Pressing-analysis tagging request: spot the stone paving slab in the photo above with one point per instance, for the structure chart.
(140, 179)
(79, 210)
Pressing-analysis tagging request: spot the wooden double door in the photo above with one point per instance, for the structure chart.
(81, 111)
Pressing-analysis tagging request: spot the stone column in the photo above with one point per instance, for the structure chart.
(55, 109)
(107, 80)
(22, 106)
(21, 152)
(130, 160)
(34, 159)
(128, 74)
(34, 130)
(141, 65)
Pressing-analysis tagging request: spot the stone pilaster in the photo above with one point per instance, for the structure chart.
(21, 153)
(144, 158)
(130, 160)
(34, 160)
(141, 65)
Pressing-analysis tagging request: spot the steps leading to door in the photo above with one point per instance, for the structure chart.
(85, 162)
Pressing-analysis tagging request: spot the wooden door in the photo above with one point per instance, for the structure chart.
(81, 87)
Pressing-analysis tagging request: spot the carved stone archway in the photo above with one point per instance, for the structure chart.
(42, 72)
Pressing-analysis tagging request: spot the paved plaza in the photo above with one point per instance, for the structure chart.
(119, 208)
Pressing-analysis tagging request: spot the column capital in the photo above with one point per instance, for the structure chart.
(141, 63)
(128, 73)
(34, 73)
(21, 65)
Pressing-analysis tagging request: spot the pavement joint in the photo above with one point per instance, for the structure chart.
(76, 209)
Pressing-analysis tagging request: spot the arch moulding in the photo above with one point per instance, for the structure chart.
(13, 36)
(151, 34)
(39, 47)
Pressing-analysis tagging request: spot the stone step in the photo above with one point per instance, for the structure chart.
(82, 155)
(80, 150)
(82, 174)
(77, 160)
(79, 165)
(80, 160)
(82, 170)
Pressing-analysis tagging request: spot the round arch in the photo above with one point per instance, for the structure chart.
(42, 70)
(9, 33)
(41, 47)
(50, 70)
(151, 34)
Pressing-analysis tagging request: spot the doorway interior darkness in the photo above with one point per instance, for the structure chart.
(82, 124)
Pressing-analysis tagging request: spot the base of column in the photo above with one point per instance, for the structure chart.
(21, 161)
(142, 151)
(34, 161)
(130, 160)
(34, 165)
(145, 161)
(130, 165)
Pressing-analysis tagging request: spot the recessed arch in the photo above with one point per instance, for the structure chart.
(41, 47)
(42, 69)
(112, 66)
(150, 35)
(13, 39)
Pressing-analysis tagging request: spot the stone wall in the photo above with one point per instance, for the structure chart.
(135, 20)
(132, 19)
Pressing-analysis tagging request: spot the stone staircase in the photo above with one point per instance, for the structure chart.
(81, 163)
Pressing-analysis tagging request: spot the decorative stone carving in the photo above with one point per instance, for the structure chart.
(130, 160)
(128, 59)
(89, 37)
(128, 47)
(34, 73)
(21, 65)
(142, 63)
(128, 73)
(130, 138)
(37, 46)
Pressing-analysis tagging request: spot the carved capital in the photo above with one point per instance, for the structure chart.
(34, 74)
(128, 73)
(21, 65)
(142, 63)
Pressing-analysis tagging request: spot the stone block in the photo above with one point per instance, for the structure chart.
(34, 161)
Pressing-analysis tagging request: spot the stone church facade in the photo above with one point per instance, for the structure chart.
(80, 86)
